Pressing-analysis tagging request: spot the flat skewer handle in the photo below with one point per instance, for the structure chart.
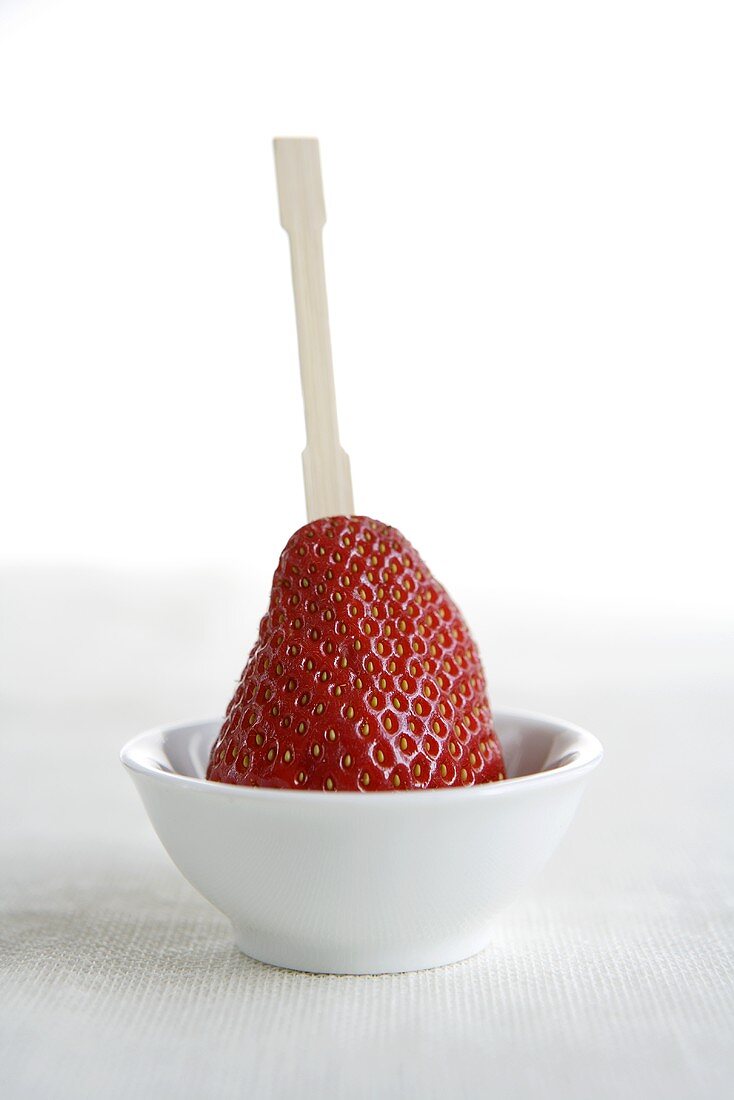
(326, 473)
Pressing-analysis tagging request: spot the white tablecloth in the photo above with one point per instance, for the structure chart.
(610, 978)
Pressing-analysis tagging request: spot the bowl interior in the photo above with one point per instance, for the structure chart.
(533, 744)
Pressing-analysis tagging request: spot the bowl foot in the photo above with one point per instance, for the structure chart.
(327, 959)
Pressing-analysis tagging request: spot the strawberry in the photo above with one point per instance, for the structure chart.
(364, 676)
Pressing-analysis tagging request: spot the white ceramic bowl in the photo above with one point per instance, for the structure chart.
(363, 883)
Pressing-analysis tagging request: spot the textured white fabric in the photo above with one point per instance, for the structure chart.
(611, 978)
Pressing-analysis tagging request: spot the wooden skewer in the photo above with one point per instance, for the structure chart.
(326, 474)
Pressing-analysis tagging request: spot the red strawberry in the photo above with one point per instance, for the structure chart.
(364, 676)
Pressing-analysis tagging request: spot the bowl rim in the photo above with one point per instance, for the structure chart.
(587, 754)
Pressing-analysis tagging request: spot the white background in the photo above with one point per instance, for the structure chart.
(529, 259)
